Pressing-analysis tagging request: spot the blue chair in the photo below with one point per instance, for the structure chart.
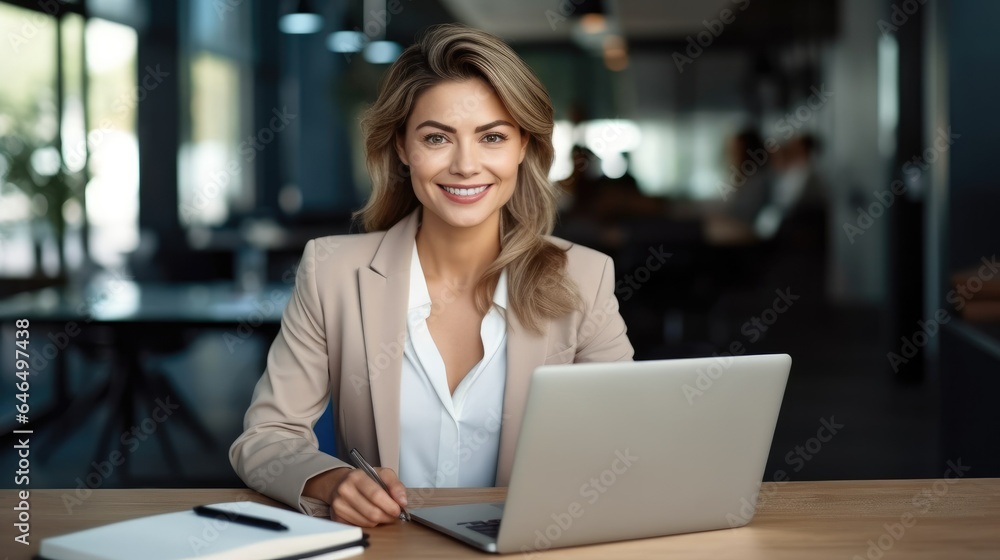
(325, 431)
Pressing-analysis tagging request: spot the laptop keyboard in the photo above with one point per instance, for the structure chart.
(490, 527)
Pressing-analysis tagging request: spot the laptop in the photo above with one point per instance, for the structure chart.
(628, 450)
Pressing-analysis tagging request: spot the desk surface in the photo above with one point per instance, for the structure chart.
(795, 520)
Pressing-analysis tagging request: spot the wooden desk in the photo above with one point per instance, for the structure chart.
(845, 520)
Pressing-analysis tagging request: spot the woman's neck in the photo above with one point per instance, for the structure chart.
(457, 256)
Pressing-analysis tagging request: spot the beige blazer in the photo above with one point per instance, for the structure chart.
(342, 337)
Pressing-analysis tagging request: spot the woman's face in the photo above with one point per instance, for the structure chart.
(463, 149)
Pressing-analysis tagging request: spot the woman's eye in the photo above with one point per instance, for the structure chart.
(494, 138)
(434, 139)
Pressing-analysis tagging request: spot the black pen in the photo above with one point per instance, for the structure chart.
(206, 511)
(362, 464)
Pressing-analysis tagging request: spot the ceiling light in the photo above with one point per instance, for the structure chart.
(346, 41)
(382, 52)
(304, 19)
(593, 23)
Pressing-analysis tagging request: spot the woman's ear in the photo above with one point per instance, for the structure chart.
(399, 143)
(524, 145)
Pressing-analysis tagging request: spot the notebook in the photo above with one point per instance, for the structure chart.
(184, 534)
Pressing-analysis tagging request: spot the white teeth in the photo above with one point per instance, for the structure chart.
(465, 192)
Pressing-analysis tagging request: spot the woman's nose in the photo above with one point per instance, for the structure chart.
(464, 161)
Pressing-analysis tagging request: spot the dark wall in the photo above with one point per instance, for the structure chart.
(974, 79)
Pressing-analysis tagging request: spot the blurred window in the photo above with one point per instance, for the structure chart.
(52, 201)
(216, 179)
(114, 92)
(28, 124)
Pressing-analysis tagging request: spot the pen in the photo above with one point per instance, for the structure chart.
(206, 511)
(360, 462)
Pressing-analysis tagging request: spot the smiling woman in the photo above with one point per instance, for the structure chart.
(461, 163)
(425, 330)
(470, 95)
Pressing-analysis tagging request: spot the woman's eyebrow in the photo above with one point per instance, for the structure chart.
(493, 124)
(452, 130)
(436, 124)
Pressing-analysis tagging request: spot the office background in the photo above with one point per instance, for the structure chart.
(809, 177)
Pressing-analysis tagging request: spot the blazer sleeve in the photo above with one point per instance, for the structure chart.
(278, 450)
(602, 335)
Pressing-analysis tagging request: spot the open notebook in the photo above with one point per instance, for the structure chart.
(184, 534)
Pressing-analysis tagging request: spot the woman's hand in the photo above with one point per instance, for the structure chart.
(357, 499)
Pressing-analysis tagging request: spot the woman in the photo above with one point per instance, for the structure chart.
(458, 145)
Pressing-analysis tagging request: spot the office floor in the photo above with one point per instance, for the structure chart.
(840, 379)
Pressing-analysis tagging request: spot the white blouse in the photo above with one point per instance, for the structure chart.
(450, 440)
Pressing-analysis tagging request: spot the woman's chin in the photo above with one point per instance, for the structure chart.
(463, 218)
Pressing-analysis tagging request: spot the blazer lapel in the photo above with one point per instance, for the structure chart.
(525, 352)
(384, 292)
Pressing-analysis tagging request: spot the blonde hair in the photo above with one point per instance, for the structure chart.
(536, 268)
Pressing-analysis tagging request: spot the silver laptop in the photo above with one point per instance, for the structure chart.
(619, 451)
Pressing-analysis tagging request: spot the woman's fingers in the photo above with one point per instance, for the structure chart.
(396, 488)
(381, 501)
(342, 512)
(368, 499)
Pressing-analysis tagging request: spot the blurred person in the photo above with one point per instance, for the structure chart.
(751, 175)
(623, 199)
(579, 194)
(595, 197)
(459, 146)
(797, 190)
(799, 181)
(745, 191)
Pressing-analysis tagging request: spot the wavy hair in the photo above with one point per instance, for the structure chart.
(536, 268)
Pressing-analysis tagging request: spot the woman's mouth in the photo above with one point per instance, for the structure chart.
(465, 194)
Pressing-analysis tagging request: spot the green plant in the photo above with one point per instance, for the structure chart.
(48, 193)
